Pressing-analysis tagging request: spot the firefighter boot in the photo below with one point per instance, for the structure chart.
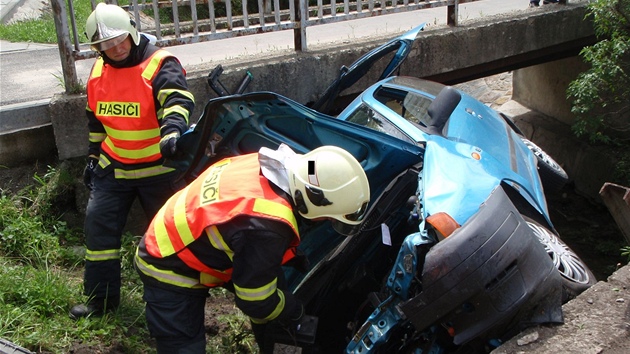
(95, 307)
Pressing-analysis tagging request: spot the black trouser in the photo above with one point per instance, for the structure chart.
(107, 210)
(176, 318)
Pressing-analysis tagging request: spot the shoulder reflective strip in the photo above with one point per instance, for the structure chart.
(104, 255)
(134, 154)
(164, 93)
(216, 239)
(87, 108)
(166, 276)
(257, 294)
(133, 135)
(264, 206)
(97, 137)
(142, 173)
(97, 69)
(154, 64)
(180, 220)
(161, 234)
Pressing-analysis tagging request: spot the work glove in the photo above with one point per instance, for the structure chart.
(299, 262)
(89, 172)
(298, 329)
(168, 145)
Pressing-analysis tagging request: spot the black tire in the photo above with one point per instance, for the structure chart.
(552, 175)
(576, 276)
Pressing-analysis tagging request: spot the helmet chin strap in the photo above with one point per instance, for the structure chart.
(298, 198)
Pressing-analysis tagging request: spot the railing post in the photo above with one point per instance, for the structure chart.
(452, 13)
(70, 78)
(299, 31)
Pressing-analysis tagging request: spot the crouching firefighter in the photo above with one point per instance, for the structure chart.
(235, 226)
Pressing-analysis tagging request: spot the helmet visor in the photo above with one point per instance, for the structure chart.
(110, 43)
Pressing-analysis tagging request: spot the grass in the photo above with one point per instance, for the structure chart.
(41, 272)
(42, 30)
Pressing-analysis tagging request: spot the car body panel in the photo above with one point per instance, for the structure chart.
(473, 128)
(396, 50)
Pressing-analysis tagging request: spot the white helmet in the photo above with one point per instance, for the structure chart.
(109, 25)
(329, 182)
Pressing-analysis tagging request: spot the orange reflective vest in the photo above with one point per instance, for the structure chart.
(122, 99)
(230, 188)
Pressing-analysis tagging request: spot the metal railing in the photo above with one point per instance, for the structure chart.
(270, 16)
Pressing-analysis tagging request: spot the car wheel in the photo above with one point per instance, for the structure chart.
(551, 173)
(576, 276)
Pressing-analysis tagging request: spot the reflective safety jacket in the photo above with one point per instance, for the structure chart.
(122, 99)
(230, 189)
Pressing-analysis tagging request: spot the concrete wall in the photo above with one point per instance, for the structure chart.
(26, 133)
(544, 87)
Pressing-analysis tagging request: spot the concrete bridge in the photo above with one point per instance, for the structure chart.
(534, 39)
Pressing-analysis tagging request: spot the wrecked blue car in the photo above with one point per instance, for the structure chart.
(457, 252)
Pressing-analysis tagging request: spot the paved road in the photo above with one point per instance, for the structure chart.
(32, 72)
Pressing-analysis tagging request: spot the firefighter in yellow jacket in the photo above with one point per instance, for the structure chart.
(138, 104)
(235, 226)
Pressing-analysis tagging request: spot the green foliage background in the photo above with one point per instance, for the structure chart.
(601, 95)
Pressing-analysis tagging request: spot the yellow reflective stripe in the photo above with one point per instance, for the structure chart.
(216, 239)
(96, 137)
(166, 276)
(104, 255)
(142, 172)
(163, 94)
(207, 279)
(103, 161)
(153, 65)
(181, 222)
(164, 243)
(175, 110)
(87, 108)
(275, 313)
(159, 114)
(150, 150)
(256, 294)
(97, 69)
(267, 207)
(133, 135)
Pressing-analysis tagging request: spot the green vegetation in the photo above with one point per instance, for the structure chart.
(42, 30)
(41, 278)
(600, 96)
